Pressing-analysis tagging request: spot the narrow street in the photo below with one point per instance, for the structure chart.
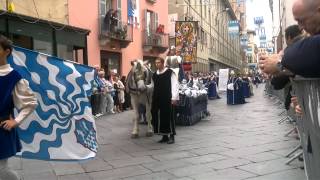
(234, 143)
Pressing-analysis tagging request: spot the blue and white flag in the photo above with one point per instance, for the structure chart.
(62, 126)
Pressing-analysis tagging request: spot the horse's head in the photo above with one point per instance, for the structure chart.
(140, 73)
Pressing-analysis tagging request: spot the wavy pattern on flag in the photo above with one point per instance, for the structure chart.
(62, 89)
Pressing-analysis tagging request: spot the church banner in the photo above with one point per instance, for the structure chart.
(62, 126)
(223, 79)
(186, 40)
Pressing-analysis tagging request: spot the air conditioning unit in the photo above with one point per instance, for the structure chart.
(152, 1)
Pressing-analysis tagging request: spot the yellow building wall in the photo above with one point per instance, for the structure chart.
(52, 10)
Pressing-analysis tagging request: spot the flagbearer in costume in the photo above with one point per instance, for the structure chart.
(15, 93)
(165, 97)
(235, 90)
(174, 62)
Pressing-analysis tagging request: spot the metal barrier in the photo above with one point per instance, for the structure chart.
(290, 116)
(308, 93)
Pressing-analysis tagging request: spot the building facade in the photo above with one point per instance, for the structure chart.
(43, 26)
(216, 48)
(122, 31)
(251, 52)
(282, 18)
(108, 33)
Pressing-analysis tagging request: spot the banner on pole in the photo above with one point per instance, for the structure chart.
(233, 28)
(186, 40)
(223, 79)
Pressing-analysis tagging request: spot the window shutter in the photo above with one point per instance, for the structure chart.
(103, 10)
(156, 20)
(145, 19)
(102, 14)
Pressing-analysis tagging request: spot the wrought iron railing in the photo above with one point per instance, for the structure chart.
(117, 30)
(152, 38)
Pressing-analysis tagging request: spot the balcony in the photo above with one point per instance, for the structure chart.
(154, 40)
(119, 32)
(152, 1)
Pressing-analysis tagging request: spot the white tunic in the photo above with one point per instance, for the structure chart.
(23, 97)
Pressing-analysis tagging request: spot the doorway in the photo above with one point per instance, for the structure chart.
(111, 61)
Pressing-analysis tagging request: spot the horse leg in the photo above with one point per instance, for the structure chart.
(135, 130)
(149, 117)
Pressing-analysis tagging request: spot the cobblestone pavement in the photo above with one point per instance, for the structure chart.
(234, 143)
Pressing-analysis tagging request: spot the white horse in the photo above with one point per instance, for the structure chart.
(138, 79)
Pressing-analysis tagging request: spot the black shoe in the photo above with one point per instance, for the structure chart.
(171, 139)
(164, 139)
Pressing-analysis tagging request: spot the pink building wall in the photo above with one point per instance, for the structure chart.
(85, 14)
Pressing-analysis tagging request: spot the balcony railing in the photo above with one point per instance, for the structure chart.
(156, 40)
(120, 31)
(152, 1)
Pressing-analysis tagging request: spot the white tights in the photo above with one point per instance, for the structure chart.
(6, 173)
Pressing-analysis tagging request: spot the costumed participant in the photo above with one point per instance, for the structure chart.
(212, 88)
(174, 62)
(15, 93)
(165, 98)
(246, 86)
(234, 90)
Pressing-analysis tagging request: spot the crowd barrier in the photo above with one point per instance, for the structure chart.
(308, 93)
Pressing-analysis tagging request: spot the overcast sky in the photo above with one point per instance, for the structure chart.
(257, 8)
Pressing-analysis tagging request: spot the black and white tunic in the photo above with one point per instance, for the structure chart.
(166, 88)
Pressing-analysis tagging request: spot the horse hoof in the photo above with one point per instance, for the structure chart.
(149, 134)
(134, 136)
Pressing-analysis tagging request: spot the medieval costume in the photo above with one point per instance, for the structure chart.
(235, 91)
(246, 87)
(16, 93)
(166, 89)
(212, 89)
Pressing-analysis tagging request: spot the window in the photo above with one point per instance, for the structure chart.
(119, 9)
(43, 46)
(65, 51)
(151, 21)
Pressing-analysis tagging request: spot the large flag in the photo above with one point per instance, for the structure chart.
(186, 40)
(62, 126)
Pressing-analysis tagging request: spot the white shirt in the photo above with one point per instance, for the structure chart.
(23, 97)
(174, 84)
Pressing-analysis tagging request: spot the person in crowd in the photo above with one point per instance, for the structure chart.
(165, 98)
(234, 90)
(102, 94)
(114, 20)
(99, 94)
(107, 20)
(302, 58)
(127, 99)
(121, 89)
(109, 95)
(212, 88)
(293, 34)
(116, 95)
(16, 93)
(94, 99)
(246, 86)
(307, 15)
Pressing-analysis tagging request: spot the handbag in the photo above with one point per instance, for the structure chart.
(230, 86)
